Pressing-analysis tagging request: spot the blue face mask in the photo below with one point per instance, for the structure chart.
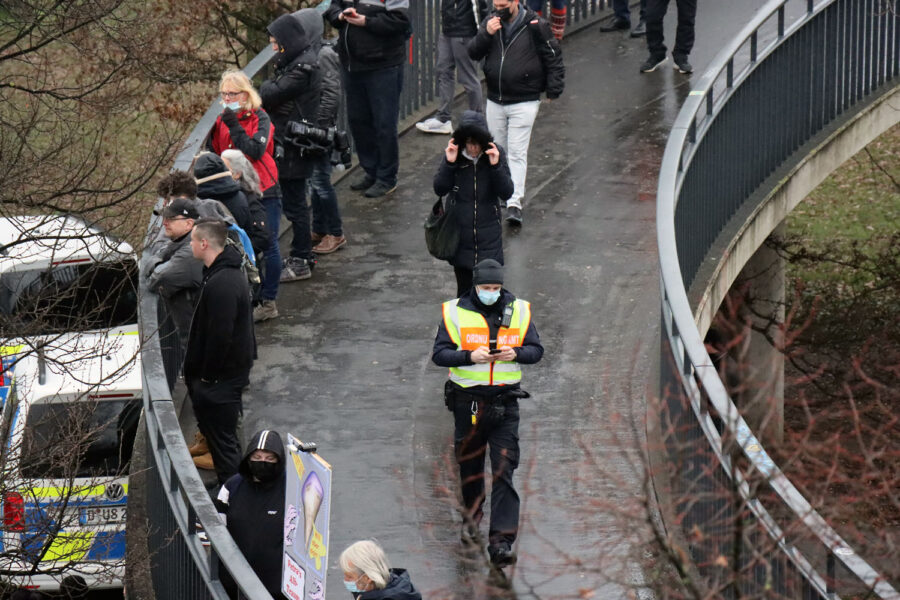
(488, 298)
(235, 106)
(351, 586)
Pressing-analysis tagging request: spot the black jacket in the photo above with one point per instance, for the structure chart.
(520, 69)
(254, 514)
(457, 19)
(222, 344)
(176, 276)
(446, 354)
(294, 93)
(332, 87)
(215, 182)
(399, 587)
(480, 189)
(381, 43)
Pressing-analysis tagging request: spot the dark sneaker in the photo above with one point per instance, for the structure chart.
(652, 63)
(681, 64)
(380, 189)
(502, 556)
(616, 25)
(363, 183)
(295, 269)
(514, 215)
(640, 30)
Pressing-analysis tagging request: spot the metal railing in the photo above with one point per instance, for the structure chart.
(176, 499)
(774, 89)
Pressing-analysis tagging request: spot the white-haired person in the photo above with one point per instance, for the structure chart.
(243, 172)
(245, 126)
(368, 574)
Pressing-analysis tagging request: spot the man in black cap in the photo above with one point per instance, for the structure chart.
(484, 337)
(173, 272)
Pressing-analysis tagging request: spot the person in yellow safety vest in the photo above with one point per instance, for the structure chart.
(484, 337)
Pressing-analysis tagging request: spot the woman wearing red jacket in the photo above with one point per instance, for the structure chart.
(245, 126)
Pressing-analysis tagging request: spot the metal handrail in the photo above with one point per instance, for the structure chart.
(695, 119)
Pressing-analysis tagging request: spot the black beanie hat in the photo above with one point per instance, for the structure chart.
(487, 271)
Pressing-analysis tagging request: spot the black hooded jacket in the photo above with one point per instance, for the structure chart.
(294, 93)
(254, 514)
(399, 587)
(221, 344)
(521, 63)
(215, 181)
(481, 188)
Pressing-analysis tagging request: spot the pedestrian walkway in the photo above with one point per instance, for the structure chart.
(347, 365)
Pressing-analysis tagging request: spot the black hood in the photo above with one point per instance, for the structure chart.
(400, 587)
(267, 439)
(295, 33)
(213, 178)
(472, 125)
(229, 258)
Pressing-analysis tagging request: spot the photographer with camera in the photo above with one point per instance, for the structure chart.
(327, 227)
(484, 338)
(292, 98)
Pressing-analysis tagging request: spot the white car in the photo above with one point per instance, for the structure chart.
(70, 399)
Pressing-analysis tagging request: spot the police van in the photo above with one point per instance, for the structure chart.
(70, 399)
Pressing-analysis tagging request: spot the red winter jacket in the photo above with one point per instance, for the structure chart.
(254, 135)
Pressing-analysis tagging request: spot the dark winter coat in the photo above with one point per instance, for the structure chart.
(481, 188)
(254, 514)
(293, 94)
(524, 64)
(399, 587)
(332, 87)
(176, 276)
(378, 45)
(457, 19)
(446, 354)
(214, 181)
(222, 344)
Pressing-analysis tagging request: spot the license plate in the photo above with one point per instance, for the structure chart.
(103, 515)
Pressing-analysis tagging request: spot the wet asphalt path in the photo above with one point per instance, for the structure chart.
(347, 364)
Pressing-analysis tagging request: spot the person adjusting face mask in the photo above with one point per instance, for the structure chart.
(484, 337)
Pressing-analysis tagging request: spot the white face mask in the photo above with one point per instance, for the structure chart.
(235, 106)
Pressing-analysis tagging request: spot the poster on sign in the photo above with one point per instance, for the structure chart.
(307, 512)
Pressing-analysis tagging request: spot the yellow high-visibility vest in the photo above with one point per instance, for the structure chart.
(469, 330)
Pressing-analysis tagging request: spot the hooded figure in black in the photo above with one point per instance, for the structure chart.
(292, 96)
(252, 505)
(477, 168)
(214, 181)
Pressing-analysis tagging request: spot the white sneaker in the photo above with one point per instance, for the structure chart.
(433, 125)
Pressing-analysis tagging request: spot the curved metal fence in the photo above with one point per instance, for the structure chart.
(175, 498)
(775, 88)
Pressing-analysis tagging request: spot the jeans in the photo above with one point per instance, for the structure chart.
(623, 12)
(296, 210)
(684, 34)
(501, 433)
(511, 125)
(271, 272)
(453, 59)
(373, 111)
(326, 214)
(217, 408)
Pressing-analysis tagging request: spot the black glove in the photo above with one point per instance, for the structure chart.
(229, 117)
